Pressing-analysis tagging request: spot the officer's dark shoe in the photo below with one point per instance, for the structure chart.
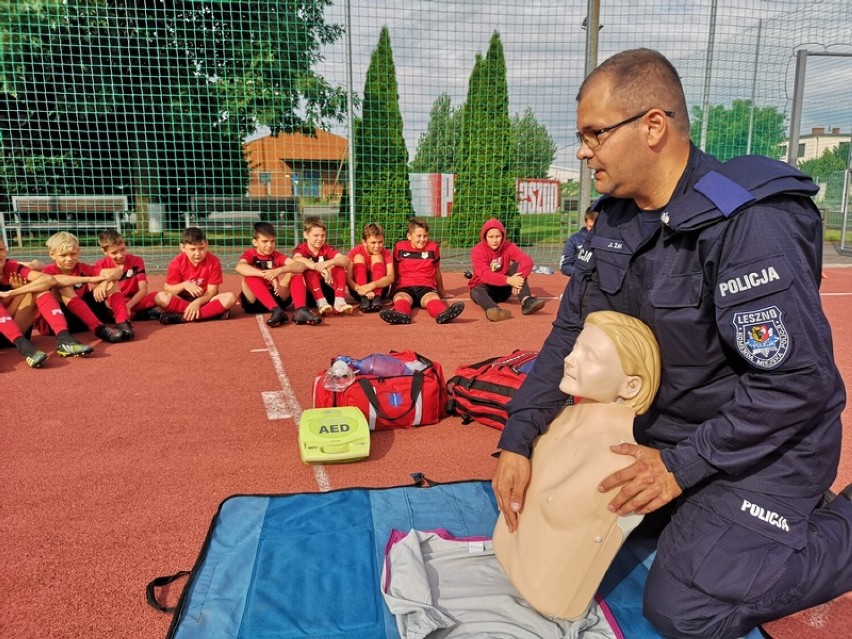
(126, 330)
(171, 318)
(365, 305)
(36, 359)
(393, 316)
(109, 334)
(531, 305)
(450, 313)
(68, 346)
(304, 316)
(277, 318)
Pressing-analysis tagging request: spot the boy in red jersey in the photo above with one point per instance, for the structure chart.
(19, 285)
(133, 282)
(271, 278)
(419, 280)
(370, 271)
(325, 276)
(77, 300)
(191, 292)
(500, 270)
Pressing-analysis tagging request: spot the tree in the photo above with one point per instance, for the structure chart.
(728, 130)
(437, 146)
(831, 161)
(534, 149)
(382, 189)
(485, 186)
(106, 95)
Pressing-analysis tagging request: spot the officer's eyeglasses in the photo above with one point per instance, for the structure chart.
(592, 138)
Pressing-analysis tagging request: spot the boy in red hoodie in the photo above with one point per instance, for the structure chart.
(500, 270)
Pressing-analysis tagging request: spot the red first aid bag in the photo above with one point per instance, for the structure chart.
(479, 392)
(394, 401)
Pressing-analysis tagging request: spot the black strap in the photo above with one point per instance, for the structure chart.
(370, 394)
(159, 582)
(420, 479)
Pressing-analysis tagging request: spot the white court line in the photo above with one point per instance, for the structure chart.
(286, 397)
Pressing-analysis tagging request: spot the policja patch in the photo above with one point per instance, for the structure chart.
(762, 337)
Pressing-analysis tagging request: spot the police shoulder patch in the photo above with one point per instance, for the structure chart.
(762, 338)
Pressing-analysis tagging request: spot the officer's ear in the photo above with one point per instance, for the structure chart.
(657, 126)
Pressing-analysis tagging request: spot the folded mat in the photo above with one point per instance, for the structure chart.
(308, 565)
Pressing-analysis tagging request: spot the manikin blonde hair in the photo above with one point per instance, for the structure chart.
(637, 349)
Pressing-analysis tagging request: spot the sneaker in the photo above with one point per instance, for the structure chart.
(109, 334)
(304, 316)
(324, 308)
(450, 313)
(277, 318)
(126, 330)
(531, 305)
(171, 318)
(70, 347)
(497, 314)
(393, 316)
(342, 308)
(36, 359)
(365, 305)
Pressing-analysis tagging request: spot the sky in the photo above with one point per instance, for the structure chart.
(435, 43)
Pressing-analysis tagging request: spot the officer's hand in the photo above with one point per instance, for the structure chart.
(646, 484)
(510, 484)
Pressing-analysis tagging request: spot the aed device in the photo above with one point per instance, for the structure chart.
(337, 434)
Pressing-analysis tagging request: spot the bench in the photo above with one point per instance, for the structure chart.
(234, 212)
(54, 213)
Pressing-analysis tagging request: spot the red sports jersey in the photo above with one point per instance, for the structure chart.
(81, 269)
(325, 253)
(12, 266)
(208, 271)
(133, 272)
(361, 250)
(263, 262)
(416, 267)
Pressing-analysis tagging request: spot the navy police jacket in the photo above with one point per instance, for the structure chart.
(727, 276)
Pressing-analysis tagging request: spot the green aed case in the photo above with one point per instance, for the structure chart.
(337, 434)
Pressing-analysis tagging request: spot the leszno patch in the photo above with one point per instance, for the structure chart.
(762, 337)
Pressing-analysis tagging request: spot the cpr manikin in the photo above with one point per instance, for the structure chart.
(566, 538)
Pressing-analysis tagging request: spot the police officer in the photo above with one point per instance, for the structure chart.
(723, 262)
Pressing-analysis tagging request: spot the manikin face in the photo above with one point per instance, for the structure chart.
(264, 244)
(117, 253)
(195, 252)
(494, 238)
(374, 244)
(593, 369)
(418, 237)
(315, 238)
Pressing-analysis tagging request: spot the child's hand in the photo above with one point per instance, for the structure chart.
(365, 289)
(270, 276)
(16, 280)
(192, 311)
(193, 289)
(100, 292)
(515, 281)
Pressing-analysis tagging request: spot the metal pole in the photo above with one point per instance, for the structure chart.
(593, 18)
(350, 118)
(796, 112)
(754, 87)
(708, 73)
(844, 199)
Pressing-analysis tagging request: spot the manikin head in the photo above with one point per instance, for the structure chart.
(615, 359)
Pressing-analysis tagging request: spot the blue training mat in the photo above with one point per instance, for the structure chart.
(308, 565)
